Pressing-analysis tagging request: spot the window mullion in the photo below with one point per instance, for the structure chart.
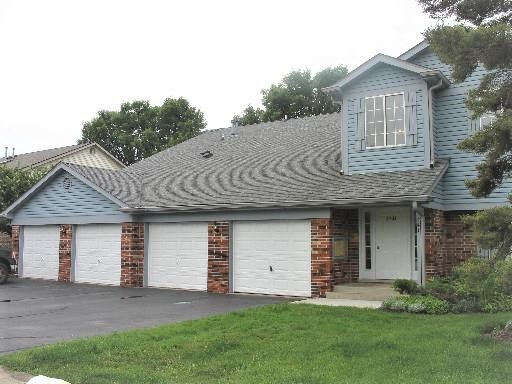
(384, 108)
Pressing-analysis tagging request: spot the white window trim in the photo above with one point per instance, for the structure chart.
(385, 122)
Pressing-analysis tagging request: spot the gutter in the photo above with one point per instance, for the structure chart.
(271, 205)
(431, 121)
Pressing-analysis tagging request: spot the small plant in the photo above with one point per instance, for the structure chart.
(416, 304)
(404, 286)
(503, 333)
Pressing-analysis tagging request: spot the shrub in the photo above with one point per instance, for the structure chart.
(443, 289)
(416, 304)
(404, 286)
(478, 285)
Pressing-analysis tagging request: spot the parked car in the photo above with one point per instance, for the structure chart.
(5, 264)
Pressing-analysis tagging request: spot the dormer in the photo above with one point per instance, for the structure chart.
(386, 124)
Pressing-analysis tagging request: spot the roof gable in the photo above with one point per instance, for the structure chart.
(53, 180)
(425, 73)
(54, 155)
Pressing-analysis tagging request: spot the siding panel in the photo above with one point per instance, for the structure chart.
(450, 127)
(53, 200)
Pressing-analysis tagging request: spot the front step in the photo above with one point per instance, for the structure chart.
(362, 291)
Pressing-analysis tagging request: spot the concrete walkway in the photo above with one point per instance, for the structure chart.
(8, 377)
(342, 303)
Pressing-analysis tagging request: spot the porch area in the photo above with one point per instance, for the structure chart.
(367, 291)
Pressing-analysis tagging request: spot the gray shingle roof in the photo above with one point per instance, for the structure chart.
(286, 163)
(28, 159)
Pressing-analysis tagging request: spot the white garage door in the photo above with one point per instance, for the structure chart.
(178, 255)
(40, 257)
(98, 254)
(272, 257)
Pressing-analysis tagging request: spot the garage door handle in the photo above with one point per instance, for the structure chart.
(271, 270)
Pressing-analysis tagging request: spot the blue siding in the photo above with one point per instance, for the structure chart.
(53, 201)
(385, 79)
(451, 119)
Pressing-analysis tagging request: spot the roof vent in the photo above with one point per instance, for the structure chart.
(207, 154)
(67, 183)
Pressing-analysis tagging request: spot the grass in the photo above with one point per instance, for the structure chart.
(286, 343)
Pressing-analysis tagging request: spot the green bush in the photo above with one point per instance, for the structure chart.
(442, 288)
(478, 285)
(404, 286)
(416, 304)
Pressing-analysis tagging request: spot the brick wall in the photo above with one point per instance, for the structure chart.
(346, 225)
(448, 242)
(321, 257)
(15, 244)
(66, 236)
(218, 257)
(132, 255)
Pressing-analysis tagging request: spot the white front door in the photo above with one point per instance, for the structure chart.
(272, 257)
(40, 258)
(98, 254)
(386, 248)
(178, 255)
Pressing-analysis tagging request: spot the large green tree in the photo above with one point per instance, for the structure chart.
(139, 130)
(14, 182)
(299, 94)
(482, 35)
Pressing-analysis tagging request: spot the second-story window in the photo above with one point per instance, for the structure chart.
(385, 120)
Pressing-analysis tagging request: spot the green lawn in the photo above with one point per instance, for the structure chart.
(286, 343)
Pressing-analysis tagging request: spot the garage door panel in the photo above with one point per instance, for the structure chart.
(284, 245)
(41, 252)
(98, 254)
(178, 255)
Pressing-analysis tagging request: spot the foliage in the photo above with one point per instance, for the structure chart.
(139, 130)
(416, 304)
(249, 116)
(492, 229)
(298, 95)
(478, 285)
(406, 286)
(284, 343)
(14, 182)
(483, 37)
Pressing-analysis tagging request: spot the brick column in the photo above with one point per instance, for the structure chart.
(434, 258)
(218, 257)
(321, 257)
(15, 242)
(345, 223)
(132, 255)
(66, 235)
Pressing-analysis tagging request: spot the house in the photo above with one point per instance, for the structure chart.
(91, 154)
(293, 207)
(86, 154)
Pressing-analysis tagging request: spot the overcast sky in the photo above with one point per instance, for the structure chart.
(62, 61)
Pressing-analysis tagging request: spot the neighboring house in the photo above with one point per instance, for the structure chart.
(291, 207)
(92, 155)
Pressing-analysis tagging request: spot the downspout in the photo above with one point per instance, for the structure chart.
(340, 103)
(431, 121)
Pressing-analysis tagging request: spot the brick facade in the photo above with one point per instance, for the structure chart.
(132, 255)
(346, 226)
(448, 242)
(218, 257)
(15, 242)
(66, 236)
(321, 257)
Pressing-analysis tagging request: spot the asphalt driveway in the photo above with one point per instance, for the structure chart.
(36, 312)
